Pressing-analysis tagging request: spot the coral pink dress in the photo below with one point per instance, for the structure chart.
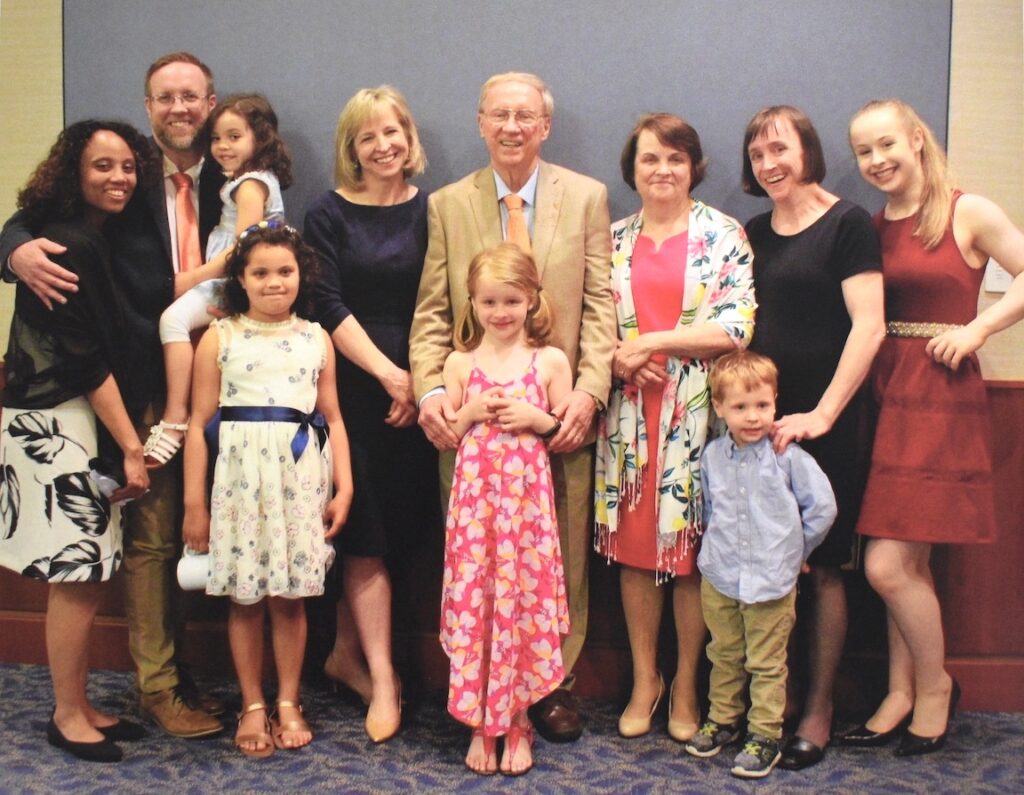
(504, 605)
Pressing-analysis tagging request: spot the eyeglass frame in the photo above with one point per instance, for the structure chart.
(499, 116)
(188, 99)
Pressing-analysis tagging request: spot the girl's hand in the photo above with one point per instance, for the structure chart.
(136, 478)
(335, 515)
(195, 529)
(481, 407)
(952, 347)
(629, 356)
(514, 416)
(797, 427)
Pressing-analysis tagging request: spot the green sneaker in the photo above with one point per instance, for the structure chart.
(711, 738)
(758, 757)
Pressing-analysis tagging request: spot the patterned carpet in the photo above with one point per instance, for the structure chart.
(985, 754)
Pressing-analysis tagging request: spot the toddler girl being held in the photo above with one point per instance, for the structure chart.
(503, 605)
(246, 145)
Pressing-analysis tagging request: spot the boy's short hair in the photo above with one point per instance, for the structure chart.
(746, 368)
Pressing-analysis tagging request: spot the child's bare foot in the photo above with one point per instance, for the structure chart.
(290, 729)
(482, 756)
(253, 735)
(165, 439)
(517, 758)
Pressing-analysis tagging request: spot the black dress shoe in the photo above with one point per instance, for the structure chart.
(102, 751)
(123, 731)
(800, 753)
(557, 717)
(915, 745)
(863, 737)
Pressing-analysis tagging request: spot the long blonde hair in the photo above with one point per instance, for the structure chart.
(933, 212)
(509, 265)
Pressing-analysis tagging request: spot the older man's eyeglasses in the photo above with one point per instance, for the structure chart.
(189, 100)
(524, 118)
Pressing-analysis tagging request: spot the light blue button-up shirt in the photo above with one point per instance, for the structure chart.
(528, 193)
(764, 513)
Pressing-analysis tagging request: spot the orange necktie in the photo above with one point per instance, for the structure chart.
(185, 218)
(516, 232)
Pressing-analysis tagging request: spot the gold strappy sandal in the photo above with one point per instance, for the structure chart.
(297, 725)
(264, 737)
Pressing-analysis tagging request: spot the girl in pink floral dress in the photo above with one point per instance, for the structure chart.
(503, 606)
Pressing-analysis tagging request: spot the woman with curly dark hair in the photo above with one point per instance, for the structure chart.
(60, 520)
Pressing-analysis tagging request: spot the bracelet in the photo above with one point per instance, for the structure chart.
(553, 429)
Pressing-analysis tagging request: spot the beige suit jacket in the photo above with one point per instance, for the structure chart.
(571, 245)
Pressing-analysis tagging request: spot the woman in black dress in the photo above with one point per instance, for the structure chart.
(818, 282)
(56, 525)
(371, 233)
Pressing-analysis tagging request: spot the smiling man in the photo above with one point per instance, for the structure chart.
(162, 226)
(562, 217)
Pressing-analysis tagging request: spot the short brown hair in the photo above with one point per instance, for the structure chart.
(671, 131)
(814, 155)
(181, 57)
(746, 368)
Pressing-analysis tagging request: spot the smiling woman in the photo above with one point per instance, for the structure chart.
(62, 376)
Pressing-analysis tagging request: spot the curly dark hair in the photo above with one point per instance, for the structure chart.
(270, 152)
(272, 233)
(55, 188)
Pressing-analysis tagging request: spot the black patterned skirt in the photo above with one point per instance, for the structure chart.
(55, 525)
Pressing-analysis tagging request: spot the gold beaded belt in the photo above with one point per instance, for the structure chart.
(903, 328)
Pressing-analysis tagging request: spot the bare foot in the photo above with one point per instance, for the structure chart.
(517, 757)
(482, 756)
(893, 709)
(252, 723)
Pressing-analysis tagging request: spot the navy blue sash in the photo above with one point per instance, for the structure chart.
(268, 414)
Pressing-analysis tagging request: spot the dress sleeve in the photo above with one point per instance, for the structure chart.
(323, 231)
(857, 249)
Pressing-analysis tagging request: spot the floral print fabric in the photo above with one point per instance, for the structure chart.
(718, 289)
(266, 509)
(55, 525)
(504, 605)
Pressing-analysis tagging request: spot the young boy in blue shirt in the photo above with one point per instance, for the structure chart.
(764, 512)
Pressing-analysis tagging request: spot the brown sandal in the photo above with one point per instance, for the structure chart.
(264, 737)
(298, 725)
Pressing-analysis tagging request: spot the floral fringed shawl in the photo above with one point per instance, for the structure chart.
(718, 288)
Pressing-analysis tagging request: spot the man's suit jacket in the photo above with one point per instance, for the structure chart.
(571, 246)
(143, 270)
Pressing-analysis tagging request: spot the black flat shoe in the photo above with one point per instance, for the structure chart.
(123, 731)
(863, 737)
(915, 745)
(800, 753)
(102, 751)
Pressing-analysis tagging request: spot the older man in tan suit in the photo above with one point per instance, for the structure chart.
(566, 216)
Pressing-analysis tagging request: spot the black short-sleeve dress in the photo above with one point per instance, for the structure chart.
(802, 324)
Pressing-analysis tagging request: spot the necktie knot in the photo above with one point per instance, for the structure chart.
(513, 201)
(181, 180)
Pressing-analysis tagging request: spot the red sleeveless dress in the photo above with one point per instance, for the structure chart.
(931, 466)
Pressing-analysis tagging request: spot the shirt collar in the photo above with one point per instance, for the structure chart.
(528, 193)
(758, 449)
(170, 169)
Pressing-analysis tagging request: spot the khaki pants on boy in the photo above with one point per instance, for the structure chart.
(748, 639)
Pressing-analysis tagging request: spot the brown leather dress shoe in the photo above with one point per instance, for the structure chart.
(557, 717)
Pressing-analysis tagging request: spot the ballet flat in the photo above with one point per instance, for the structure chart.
(123, 731)
(101, 751)
(914, 745)
(637, 727)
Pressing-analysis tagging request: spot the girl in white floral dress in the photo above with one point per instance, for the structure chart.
(270, 511)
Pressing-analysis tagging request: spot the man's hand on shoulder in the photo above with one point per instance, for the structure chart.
(31, 263)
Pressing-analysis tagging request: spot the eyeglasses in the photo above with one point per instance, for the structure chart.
(524, 118)
(189, 100)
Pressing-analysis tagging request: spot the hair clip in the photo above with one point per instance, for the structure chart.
(272, 224)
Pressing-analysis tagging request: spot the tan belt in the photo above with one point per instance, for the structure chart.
(903, 328)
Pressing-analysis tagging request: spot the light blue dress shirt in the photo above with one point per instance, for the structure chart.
(764, 513)
(528, 193)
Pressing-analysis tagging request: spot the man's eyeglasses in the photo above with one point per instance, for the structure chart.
(524, 118)
(189, 100)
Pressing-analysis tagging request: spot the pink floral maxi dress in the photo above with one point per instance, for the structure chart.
(503, 606)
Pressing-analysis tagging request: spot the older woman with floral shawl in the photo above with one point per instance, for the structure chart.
(683, 291)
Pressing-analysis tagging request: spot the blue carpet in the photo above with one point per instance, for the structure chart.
(985, 754)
